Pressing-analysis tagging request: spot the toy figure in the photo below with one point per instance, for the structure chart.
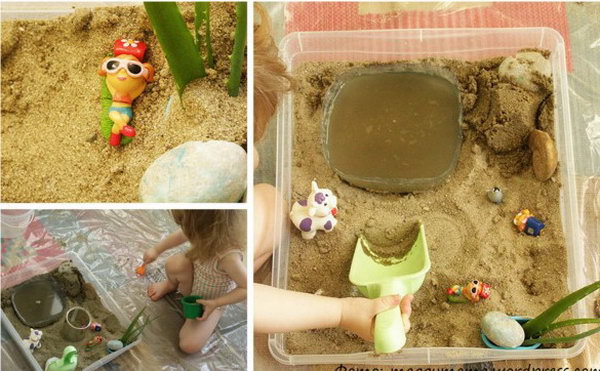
(126, 78)
(473, 291)
(527, 223)
(93, 342)
(141, 270)
(34, 340)
(68, 362)
(315, 213)
(94, 326)
(495, 195)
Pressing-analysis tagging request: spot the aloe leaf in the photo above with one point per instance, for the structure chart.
(202, 10)
(131, 326)
(177, 42)
(540, 323)
(571, 322)
(237, 57)
(566, 339)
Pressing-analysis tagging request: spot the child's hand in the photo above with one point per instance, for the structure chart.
(358, 314)
(150, 255)
(209, 307)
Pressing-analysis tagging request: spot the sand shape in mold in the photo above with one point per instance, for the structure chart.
(394, 246)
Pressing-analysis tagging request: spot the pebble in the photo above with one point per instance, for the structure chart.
(213, 171)
(114, 345)
(445, 306)
(502, 330)
(371, 222)
(496, 219)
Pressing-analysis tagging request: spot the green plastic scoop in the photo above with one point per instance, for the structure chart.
(398, 276)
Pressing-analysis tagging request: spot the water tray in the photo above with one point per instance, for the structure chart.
(409, 44)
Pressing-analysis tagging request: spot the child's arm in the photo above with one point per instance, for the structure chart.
(277, 310)
(173, 240)
(233, 265)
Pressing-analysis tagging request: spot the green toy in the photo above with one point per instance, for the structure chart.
(398, 276)
(68, 362)
(191, 309)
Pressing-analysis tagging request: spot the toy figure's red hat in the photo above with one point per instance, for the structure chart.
(131, 47)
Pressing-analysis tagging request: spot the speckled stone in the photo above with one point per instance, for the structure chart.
(502, 330)
(114, 345)
(213, 171)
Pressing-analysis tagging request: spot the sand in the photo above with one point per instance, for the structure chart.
(78, 293)
(52, 149)
(469, 237)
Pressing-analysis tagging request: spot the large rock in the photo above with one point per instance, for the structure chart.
(502, 330)
(213, 171)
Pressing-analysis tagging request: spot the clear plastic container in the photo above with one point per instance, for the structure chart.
(46, 266)
(464, 44)
(15, 222)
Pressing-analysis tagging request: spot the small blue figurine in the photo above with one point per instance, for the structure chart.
(528, 224)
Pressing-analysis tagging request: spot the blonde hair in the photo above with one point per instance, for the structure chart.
(270, 76)
(211, 232)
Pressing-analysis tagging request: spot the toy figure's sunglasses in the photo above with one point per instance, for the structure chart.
(133, 68)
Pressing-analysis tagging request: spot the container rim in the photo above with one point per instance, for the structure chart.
(568, 200)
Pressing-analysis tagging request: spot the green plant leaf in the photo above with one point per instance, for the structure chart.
(237, 57)
(202, 10)
(541, 323)
(571, 322)
(566, 339)
(177, 43)
(131, 326)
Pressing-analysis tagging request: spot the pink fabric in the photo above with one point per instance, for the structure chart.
(332, 16)
(42, 246)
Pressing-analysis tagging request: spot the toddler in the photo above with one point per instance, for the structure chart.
(212, 268)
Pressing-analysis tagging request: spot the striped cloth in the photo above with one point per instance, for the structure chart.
(209, 280)
(336, 16)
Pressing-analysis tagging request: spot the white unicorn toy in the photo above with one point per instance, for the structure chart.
(34, 340)
(315, 213)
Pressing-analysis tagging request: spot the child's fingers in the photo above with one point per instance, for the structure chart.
(405, 305)
(384, 303)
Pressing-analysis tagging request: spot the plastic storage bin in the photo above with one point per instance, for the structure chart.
(45, 267)
(392, 45)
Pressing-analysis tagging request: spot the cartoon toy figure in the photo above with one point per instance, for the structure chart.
(93, 342)
(68, 362)
(315, 213)
(473, 291)
(528, 224)
(94, 326)
(126, 78)
(34, 340)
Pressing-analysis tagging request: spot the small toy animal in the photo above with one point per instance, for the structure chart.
(126, 78)
(68, 362)
(34, 340)
(528, 224)
(495, 195)
(315, 213)
(473, 291)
